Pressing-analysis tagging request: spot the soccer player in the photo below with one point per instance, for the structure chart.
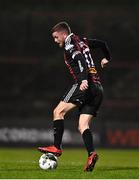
(86, 93)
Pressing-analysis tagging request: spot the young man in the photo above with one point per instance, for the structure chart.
(86, 93)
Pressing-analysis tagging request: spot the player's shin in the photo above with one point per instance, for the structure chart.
(88, 141)
(58, 126)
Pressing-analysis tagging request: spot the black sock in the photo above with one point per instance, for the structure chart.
(88, 141)
(58, 126)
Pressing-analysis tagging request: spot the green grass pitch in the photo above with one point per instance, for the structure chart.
(112, 164)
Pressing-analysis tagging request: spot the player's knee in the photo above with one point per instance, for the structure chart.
(58, 113)
(82, 127)
(79, 129)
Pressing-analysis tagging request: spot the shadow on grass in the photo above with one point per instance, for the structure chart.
(21, 169)
(71, 169)
(118, 168)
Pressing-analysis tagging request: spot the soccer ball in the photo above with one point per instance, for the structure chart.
(48, 161)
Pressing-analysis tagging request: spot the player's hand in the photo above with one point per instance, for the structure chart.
(104, 62)
(84, 85)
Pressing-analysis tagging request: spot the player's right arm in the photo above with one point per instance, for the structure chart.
(79, 63)
(82, 75)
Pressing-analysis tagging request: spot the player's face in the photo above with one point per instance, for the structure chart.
(59, 38)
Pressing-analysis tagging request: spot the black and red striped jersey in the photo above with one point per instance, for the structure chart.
(78, 57)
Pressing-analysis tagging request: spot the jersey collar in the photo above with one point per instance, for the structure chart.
(68, 37)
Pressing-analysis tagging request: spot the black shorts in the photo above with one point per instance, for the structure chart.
(88, 101)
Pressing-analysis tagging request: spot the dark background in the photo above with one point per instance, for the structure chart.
(33, 75)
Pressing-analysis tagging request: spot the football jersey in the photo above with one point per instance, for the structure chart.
(78, 58)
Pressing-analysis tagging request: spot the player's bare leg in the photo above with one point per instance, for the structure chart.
(58, 126)
(61, 109)
(84, 121)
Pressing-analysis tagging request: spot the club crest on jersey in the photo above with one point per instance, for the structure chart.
(68, 45)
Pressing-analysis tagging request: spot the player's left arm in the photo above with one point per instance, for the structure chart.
(94, 43)
(104, 62)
